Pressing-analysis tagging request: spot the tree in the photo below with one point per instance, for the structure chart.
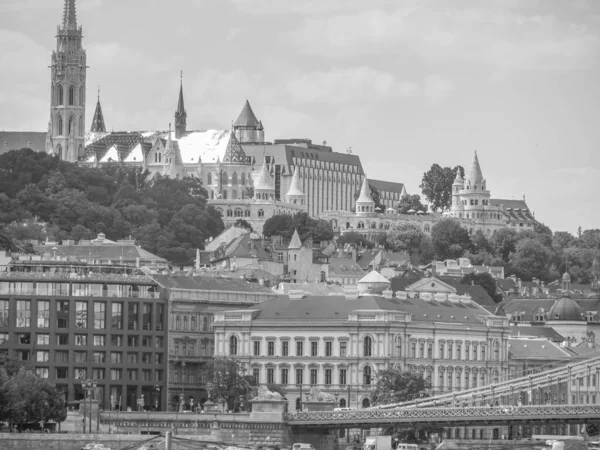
(504, 243)
(531, 259)
(436, 185)
(591, 238)
(26, 398)
(562, 240)
(394, 386)
(242, 223)
(279, 225)
(352, 237)
(411, 202)
(231, 385)
(405, 236)
(308, 228)
(486, 281)
(450, 240)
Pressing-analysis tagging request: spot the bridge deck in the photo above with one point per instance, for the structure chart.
(468, 416)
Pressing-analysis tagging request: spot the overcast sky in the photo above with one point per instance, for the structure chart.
(404, 83)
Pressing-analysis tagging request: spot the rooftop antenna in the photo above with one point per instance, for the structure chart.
(349, 150)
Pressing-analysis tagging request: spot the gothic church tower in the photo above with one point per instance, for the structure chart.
(66, 130)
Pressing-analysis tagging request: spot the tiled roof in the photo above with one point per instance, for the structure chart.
(126, 252)
(365, 258)
(16, 140)
(512, 204)
(311, 289)
(338, 308)
(343, 267)
(374, 277)
(246, 117)
(210, 284)
(536, 331)
(234, 152)
(529, 306)
(532, 348)
(388, 186)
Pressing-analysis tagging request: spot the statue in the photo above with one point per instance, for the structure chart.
(265, 394)
(317, 396)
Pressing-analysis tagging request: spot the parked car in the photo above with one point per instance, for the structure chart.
(95, 446)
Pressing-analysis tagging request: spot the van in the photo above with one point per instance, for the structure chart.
(300, 446)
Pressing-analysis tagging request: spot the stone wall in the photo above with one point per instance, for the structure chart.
(60, 441)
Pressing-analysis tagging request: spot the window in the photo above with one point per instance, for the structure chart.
(482, 378)
(60, 95)
(99, 340)
(71, 95)
(147, 316)
(132, 375)
(116, 341)
(42, 356)
(328, 377)
(271, 348)
(430, 350)
(413, 349)
(467, 352)
(450, 350)
(483, 352)
(256, 374)
(23, 314)
(62, 314)
(422, 350)
(441, 379)
(146, 358)
(42, 372)
(116, 357)
(299, 348)
(62, 339)
(80, 357)
(132, 316)
(256, 348)
(132, 341)
(270, 376)
(313, 377)
(299, 376)
(442, 348)
(367, 376)
(449, 380)
(158, 358)
(458, 351)
(99, 315)
(496, 351)
(81, 339)
(81, 314)
(99, 357)
(474, 352)
(43, 339)
(458, 379)
(43, 314)
(343, 378)
(328, 348)
(474, 380)
(233, 345)
(117, 316)
(132, 358)
(62, 372)
(284, 377)
(3, 313)
(343, 347)
(3, 338)
(285, 348)
(314, 348)
(115, 374)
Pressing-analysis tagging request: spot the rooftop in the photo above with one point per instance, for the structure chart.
(536, 348)
(200, 283)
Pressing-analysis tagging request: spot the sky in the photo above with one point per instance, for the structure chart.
(403, 83)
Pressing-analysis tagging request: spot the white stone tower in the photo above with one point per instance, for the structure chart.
(66, 129)
(365, 204)
(295, 194)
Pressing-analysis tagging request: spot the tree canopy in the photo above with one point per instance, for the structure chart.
(436, 185)
(394, 386)
(405, 236)
(411, 202)
(41, 196)
(353, 237)
(450, 239)
(308, 228)
(231, 385)
(486, 281)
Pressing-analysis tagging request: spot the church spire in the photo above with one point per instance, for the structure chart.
(98, 125)
(70, 15)
(180, 113)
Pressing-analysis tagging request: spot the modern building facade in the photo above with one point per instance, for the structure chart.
(75, 321)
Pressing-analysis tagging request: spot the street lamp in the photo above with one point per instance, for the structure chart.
(157, 389)
(88, 385)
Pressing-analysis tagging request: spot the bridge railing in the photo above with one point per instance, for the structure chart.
(539, 380)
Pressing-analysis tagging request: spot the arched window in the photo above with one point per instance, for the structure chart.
(224, 178)
(177, 323)
(233, 346)
(225, 194)
(495, 377)
(185, 323)
(193, 323)
(496, 351)
(368, 346)
(247, 213)
(209, 178)
(239, 213)
(261, 213)
(80, 150)
(60, 95)
(367, 376)
(71, 95)
(204, 324)
(426, 228)
(342, 402)
(71, 125)
(366, 403)
(398, 346)
(81, 94)
(229, 213)
(243, 179)
(234, 179)
(81, 130)
(60, 126)
(234, 194)
(298, 404)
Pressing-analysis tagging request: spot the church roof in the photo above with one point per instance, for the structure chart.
(565, 309)
(16, 140)
(365, 192)
(295, 187)
(295, 243)
(263, 181)
(474, 175)
(374, 277)
(234, 152)
(246, 117)
(388, 186)
(98, 125)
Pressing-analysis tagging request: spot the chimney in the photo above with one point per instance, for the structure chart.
(388, 293)
(354, 253)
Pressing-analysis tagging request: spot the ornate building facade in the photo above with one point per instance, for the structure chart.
(66, 129)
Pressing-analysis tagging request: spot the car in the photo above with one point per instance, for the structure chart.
(95, 446)
(301, 446)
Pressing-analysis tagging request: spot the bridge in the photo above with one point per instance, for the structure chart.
(529, 400)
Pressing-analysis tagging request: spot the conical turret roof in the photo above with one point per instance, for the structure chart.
(180, 103)
(296, 187)
(365, 192)
(234, 153)
(475, 176)
(263, 183)
(246, 117)
(98, 125)
(295, 243)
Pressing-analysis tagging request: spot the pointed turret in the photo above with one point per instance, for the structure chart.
(263, 189)
(365, 203)
(475, 176)
(98, 125)
(295, 194)
(180, 114)
(174, 166)
(234, 153)
(295, 243)
(403, 193)
(247, 117)
(247, 127)
(70, 15)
